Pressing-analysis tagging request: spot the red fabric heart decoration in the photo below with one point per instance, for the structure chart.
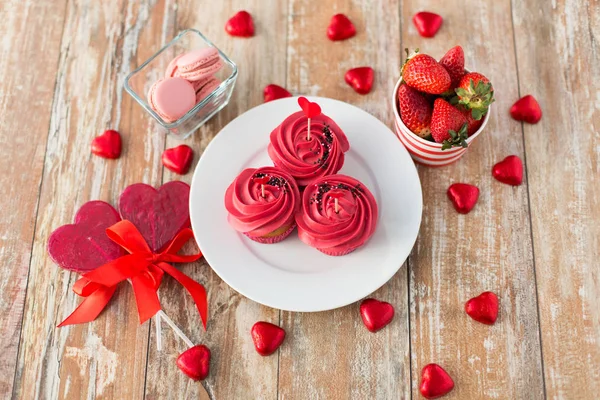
(376, 314)
(435, 382)
(158, 214)
(427, 23)
(274, 92)
(84, 246)
(310, 109)
(483, 308)
(340, 28)
(509, 171)
(360, 79)
(178, 159)
(463, 196)
(267, 337)
(107, 145)
(240, 24)
(526, 109)
(195, 362)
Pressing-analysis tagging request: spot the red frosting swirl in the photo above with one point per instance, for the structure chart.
(307, 160)
(250, 212)
(336, 233)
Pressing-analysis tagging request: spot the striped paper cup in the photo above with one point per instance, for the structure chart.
(426, 152)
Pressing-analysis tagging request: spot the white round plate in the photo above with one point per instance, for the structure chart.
(290, 275)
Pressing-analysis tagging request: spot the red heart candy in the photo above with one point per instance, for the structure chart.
(310, 109)
(195, 362)
(274, 92)
(178, 159)
(427, 23)
(435, 382)
(360, 79)
(158, 214)
(107, 145)
(526, 109)
(267, 337)
(463, 196)
(84, 246)
(483, 308)
(376, 314)
(509, 171)
(240, 24)
(340, 28)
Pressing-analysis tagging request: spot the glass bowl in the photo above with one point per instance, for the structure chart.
(139, 81)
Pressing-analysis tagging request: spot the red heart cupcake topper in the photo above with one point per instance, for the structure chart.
(262, 180)
(435, 382)
(376, 314)
(267, 337)
(84, 246)
(195, 362)
(336, 194)
(310, 109)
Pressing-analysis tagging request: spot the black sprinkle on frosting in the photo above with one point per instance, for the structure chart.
(323, 188)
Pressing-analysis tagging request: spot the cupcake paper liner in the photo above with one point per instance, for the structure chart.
(274, 239)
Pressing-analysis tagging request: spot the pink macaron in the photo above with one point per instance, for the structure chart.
(172, 98)
(172, 67)
(198, 64)
(207, 88)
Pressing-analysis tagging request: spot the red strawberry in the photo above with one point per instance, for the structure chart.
(415, 110)
(425, 74)
(448, 125)
(454, 62)
(472, 124)
(476, 93)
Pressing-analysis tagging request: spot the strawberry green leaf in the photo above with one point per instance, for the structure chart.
(457, 139)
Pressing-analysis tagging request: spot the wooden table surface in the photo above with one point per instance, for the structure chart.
(536, 245)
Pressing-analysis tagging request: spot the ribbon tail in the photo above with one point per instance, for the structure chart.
(90, 307)
(195, 289)
(146, 298)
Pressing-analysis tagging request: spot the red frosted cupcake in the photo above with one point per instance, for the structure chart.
(338, 215)
(262, 204)
(308, 157)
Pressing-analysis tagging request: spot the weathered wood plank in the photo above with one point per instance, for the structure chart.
(25, 103)
(557, 58)
(331, 354)
(106, 358)
(459, 256)
(237, 371)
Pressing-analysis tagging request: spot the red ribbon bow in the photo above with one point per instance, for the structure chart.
(144, 268)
